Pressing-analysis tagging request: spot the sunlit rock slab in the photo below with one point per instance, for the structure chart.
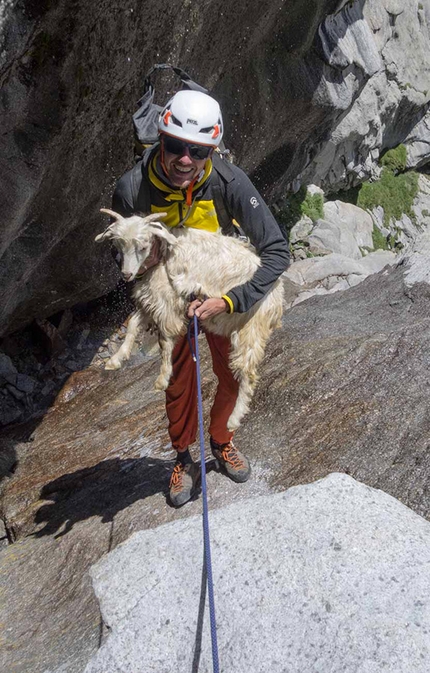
(331, 576)
(344, 388)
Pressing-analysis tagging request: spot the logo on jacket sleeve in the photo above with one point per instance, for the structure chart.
(254, 201)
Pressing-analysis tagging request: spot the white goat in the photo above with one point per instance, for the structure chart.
(196, 262)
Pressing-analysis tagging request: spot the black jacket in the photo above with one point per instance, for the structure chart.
(224, 191)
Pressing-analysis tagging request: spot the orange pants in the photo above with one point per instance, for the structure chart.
(181, 395)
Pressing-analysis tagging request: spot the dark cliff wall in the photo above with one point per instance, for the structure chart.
(71, 73)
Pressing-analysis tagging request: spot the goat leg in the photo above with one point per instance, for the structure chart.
(166, 345)
(247, 352)
(124, 351)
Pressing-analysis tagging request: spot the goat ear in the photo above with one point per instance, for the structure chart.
(104, 235)
(160, 231)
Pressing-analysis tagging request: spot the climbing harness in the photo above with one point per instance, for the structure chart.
(207, 549)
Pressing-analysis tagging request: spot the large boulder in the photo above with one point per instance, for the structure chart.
(337, 573)
(332, 273)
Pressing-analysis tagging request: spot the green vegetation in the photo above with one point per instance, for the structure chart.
(379, 240)
(395, 159)
(346, 195)
(395, 193)
(299, 204)
(313, 206)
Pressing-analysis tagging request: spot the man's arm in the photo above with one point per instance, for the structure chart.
(247, 206)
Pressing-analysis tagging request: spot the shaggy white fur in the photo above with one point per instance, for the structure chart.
(196, 262)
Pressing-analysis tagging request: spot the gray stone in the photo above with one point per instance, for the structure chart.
(301, 229)
(17, 394)
(83, 338)
(377, 260)
(336, 237)
(331, 576)
(336, 283)
(25, 383)
(298, 254)
(7, 369)
(73, 366)
(48, 388)
(421, 205)
(2, 530)
(381, 91)
(319, 275)
(314, 189)
(10, 412)
(355, 219)
(318, 268)
(417, 261)
(418, 143)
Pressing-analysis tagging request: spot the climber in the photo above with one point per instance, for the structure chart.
(184, 176)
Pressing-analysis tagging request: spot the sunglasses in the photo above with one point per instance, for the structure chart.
(175, 146)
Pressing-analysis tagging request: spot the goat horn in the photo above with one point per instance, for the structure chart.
(112, 213)
(153, 217)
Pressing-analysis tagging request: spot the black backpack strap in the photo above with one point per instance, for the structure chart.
(140, 187)
(224, 175)
(187, 82)
(224, 218)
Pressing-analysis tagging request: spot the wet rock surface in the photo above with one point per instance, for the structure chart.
(36, 362)
(344, 388)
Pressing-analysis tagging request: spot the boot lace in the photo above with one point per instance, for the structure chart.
(230, 455)
(176, 478)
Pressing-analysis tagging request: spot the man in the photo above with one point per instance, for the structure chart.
(182, 176)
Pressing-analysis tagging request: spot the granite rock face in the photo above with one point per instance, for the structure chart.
(71, 76)
(344, 388)
(331, 576)
(315, 90)
(378, 78)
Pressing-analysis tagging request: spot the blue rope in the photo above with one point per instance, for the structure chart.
(207, 546)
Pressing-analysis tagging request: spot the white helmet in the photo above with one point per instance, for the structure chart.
(194, 117)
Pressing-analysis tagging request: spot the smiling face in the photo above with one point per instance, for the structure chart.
(181, 168)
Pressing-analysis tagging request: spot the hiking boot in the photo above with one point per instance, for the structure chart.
(231, 461)
(183, 483)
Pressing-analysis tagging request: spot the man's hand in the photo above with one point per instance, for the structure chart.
(207, 308)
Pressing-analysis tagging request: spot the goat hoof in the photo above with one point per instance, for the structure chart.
(161, 383)
(112, 364)
(233, 425)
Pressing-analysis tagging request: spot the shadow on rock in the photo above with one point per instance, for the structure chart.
(8, 460)
(102, 490)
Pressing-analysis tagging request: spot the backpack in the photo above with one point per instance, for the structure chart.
(145, 124)
(145, 119)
